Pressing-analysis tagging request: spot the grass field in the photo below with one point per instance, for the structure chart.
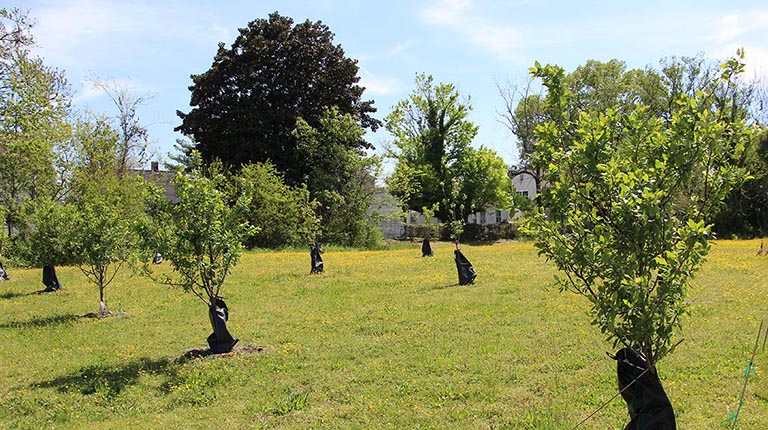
(382, 340)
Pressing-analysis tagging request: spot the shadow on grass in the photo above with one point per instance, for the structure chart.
(12, 295)
(107, 381)
(438, 287)
(51, 321)
(195, 353)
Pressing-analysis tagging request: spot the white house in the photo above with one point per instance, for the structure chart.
(489, 216)
(524, 184)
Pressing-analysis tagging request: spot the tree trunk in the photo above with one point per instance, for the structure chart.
(220, 341)
(648, 404)
(102, 301)
(50, 280)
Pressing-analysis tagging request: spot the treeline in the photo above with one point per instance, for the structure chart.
(281, 115)
(610, 87)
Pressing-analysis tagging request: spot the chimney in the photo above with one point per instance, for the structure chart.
(155, 166)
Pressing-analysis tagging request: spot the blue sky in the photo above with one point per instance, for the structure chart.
(152, 46)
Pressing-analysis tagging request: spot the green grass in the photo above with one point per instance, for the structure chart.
(382, 340)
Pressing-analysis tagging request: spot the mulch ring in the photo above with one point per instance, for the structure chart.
(193, 353)
(107, 314)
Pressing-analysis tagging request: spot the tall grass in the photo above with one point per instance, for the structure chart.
(381, 340)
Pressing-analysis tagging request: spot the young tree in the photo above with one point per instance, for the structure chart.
(629, 202)
(203, 237)
(42, 241)
(435, 163)
(482, 175)
(103, 206)
(245, 108)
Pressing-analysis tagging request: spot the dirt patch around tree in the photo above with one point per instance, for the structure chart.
(194, 353)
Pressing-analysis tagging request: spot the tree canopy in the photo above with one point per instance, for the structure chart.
(599, 86)
(340, 178)
(202, 235)
(246, 106)
(34, 104)
(630, 196)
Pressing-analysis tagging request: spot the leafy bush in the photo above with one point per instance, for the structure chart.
(283, 214)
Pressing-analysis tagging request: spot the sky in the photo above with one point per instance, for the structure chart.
(151, 47)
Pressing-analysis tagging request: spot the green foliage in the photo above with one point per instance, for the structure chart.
(628, 205)
(436, 167)
(34, 103)
(246, 107)
(182, 157)
(42, 241)
(283, 215)
(201, 234)
(103, 206)
(483, 180)
(100, 236)
(341, 179)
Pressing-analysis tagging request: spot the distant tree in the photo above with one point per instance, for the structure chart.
(133, 137)
(42, 241)
(629, 202)
(246, 106)
(34, 104)
(435, 163)
(523, 112)
(482, 175)
(341, 179)
(283, 215)
(182, 157)
(745, 213)
(202, 235)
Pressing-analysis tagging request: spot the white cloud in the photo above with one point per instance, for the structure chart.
(74, 34)
(379, 85)
(736, 25)
(500, 40)
(445, 12)
(399, 49)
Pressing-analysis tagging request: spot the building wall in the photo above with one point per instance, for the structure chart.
(386, 206)
(525, 185)
(489, 216)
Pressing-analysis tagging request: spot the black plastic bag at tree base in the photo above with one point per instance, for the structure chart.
(467, 273)
(3, 274)
(426, 248)
(220, 341)
(317, 260)
(50, 280)
(648, 404)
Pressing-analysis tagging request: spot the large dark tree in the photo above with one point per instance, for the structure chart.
(245, 107)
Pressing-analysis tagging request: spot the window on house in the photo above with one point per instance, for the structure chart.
(498, 217)
(482, 217)
(523, 193)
